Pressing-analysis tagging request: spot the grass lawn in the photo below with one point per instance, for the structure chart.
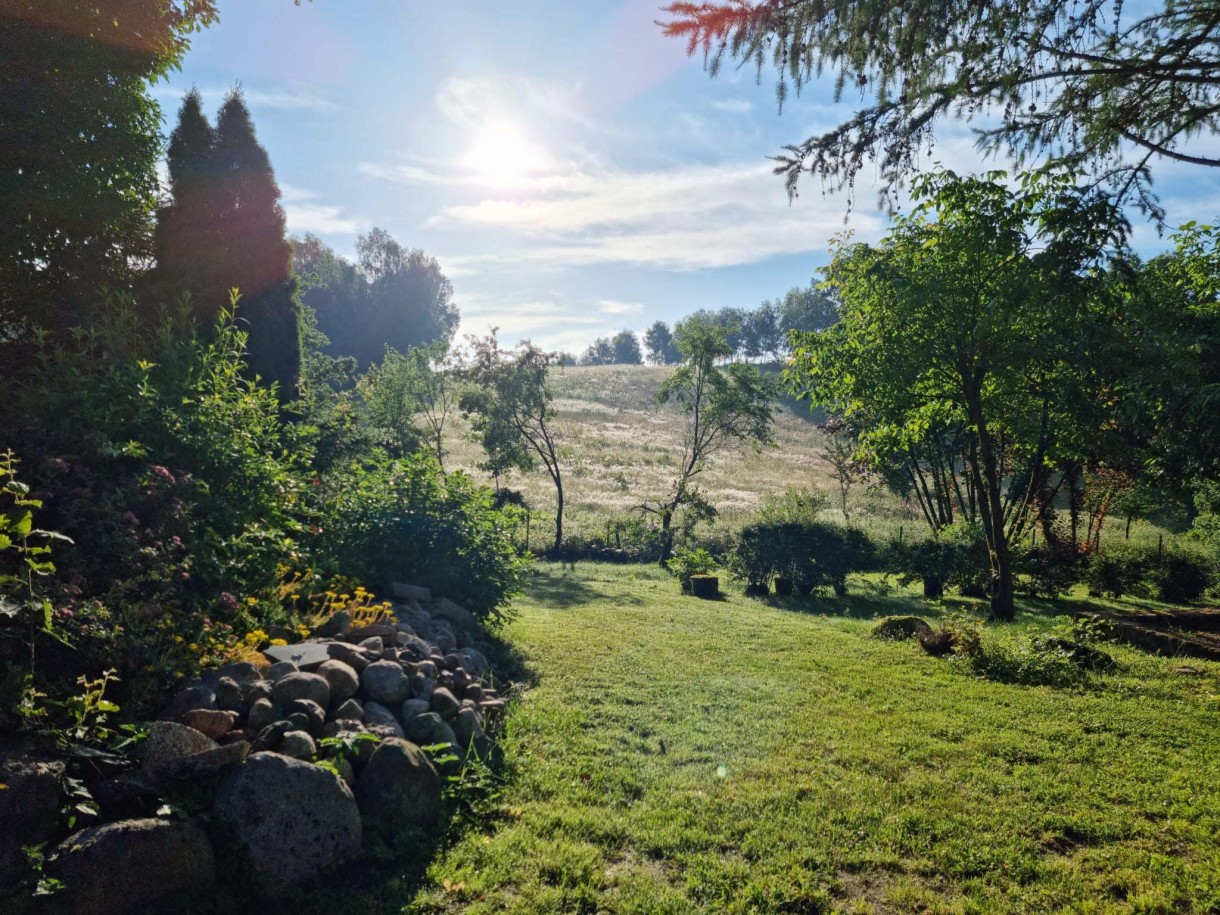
(676, 755)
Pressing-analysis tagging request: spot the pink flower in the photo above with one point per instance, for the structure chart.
(228, 601)
(130, 519)
(163, 473)
(176, 540)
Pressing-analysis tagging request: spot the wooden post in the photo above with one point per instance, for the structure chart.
(528, 515)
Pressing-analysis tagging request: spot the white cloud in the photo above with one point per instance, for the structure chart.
(684, 218)
(473, 101)
(304, 213)
(613, 307)
(732, 106)
(283, 98)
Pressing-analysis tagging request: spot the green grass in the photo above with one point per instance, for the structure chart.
(675, 755)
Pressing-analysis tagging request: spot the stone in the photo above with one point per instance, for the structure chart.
(399, 788)
(211, 722)
(377, 715)
(261, 689)
(314, 714)
(337, 625)
(302, 686)
(342, 726)
(198, 696)
(428, 668)
(262, 713)
(199, 767)
(343, 680)
(385, 682)
(474, 661)
(350, 710)
(229, 696)
(169, 742)
(453, 612)
(243, 672)
(298, 745)
(155, 865)
(125, 797)
(305, 655)
(440, 633)
(350, 655)
(466, 727)
(413, 707)
(374, 644)
(270, 737)
(474, 692)
(444, 703)
(289, 821)
(493, 709)
(402, 591)
(384, 631)
(29, 809)
(281, 669)
(429, 729)
(299, 721)
(416, 648)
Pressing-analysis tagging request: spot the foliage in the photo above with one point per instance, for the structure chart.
(1181, 575)
(164, 461)
(956, 554)
(813, 555)
(685, 564)
(403, 520)
(1099, 88)
(721, 408)
(393, 296)
(976, 316)
(795, 505)
(223, 229)
(81, 134)
(659, 342)
(1116, 571)
(409, 398)
(1036, 661)
(510, 403)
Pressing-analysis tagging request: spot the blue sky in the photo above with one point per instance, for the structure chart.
(573, 171)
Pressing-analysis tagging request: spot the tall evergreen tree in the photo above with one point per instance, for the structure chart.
(256, 256)
(187, 244)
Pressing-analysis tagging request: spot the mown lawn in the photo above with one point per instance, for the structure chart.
(676, 755)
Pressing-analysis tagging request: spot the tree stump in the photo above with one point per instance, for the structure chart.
(705, 586)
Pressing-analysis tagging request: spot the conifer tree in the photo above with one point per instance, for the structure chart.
(187, 244)
(256, 256)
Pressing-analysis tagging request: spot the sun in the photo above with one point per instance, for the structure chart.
(502, 155)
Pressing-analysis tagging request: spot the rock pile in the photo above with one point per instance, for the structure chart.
(250, 740)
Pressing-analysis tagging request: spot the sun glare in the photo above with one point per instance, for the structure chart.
(502, 156)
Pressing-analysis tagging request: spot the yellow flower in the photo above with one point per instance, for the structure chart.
(279, 641)
(251, 601)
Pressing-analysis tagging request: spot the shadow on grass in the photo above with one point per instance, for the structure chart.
(554, 586)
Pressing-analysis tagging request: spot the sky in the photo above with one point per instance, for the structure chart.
(571, 169)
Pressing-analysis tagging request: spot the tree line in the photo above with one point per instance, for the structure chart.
(757, 335)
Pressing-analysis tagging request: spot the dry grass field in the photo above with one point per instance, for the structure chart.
(620, 448)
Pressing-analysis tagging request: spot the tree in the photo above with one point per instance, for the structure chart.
(762, 332)
(973, 314)
(722, 408)
(660, 344)
(599, 352)
(1081, 82)
(840, 451)
(806, 310)
(408, 399)
(410, 299)
(254, 253)
(510, 403)
(627, 348)
(81, 139)
(188, 247)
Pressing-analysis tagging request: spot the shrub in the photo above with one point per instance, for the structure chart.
(812, 554)
(956, 555)
(686, 564)
(403, 520)
(1181, 575)
(1116, 571)
(1040, 661)
(900, 628)
(1048, 571)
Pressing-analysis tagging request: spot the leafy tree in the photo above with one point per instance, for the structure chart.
(81, 140)
(1082, 82)
(839, 451)
(659, 342)
(410, 397)
(807, 310)
(599, 352)
(762, 336)
(511, 405)
(627, 348)
(722, 407)
(255, 254)
(973, 313)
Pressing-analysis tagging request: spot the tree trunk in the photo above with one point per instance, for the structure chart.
(558, 517)
(1003, 609)
(667, 535)
(933, 587)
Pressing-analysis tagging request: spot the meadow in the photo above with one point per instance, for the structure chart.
(673, 755)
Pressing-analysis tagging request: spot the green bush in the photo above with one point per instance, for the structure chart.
(1048, 571)
(685, 564)
(1178, 575)
(1040, 661)
(1117, 571)
(1181, 575)
(956, 555)
(403, 520)
(812, 554)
